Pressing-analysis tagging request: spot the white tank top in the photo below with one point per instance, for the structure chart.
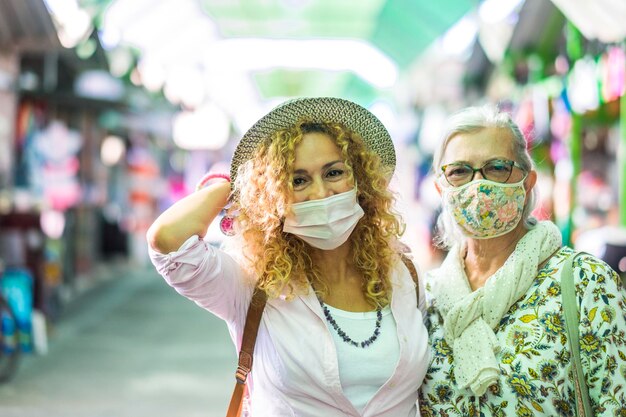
(362, 371)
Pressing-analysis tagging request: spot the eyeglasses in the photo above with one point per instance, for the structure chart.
(498, 170)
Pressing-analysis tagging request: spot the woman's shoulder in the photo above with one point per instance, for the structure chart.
(591, 274)
(580, 261)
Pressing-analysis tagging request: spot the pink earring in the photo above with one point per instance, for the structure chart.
(227, 225)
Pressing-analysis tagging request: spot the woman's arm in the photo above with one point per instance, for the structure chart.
(602, 334)
(208, 276)
(187, 217)
(196, 269)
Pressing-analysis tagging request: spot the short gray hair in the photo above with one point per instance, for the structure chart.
(471, 120)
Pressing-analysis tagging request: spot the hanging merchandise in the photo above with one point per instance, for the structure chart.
(582, 86)
(524, 116)
(560, 123)
(57, 146)
(144, 186)
(613, 73)
(541, 114)
(29, 120)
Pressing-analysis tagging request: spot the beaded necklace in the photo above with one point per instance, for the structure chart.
(344, 336)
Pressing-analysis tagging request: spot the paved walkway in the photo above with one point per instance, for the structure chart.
(131, 347)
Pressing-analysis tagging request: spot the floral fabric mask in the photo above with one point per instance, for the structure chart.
(486, 209)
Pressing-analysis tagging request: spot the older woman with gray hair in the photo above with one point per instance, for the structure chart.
(499, 336)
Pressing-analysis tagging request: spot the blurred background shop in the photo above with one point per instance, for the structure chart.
(110, 110)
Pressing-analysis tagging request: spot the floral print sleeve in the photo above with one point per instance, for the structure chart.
(602, 328)
(534, 357)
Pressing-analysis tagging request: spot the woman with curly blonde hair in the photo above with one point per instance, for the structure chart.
(315, 234)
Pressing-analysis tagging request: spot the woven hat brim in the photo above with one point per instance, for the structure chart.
(318, 109)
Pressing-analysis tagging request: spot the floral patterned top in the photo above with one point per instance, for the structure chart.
(535, 357)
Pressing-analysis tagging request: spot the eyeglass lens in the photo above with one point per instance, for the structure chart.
(459, 174)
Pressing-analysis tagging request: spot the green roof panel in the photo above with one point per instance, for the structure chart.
(405, 28)
(300, 83)
(295, 19)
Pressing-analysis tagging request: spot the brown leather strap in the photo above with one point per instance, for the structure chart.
(250, 330)
(411, 267)
(236, 401)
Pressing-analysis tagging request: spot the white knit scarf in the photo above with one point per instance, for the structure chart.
(470, 317)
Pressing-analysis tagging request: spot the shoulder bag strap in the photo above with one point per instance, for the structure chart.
(250, 330)
(411, 267)
(572, 318)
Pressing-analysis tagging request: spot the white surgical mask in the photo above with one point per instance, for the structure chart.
(327, 223)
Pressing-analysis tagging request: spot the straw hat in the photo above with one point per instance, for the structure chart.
(318, 109)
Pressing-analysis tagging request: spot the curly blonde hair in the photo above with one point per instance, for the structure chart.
(281, 261)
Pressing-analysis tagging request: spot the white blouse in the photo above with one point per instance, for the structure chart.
(296, 367)
(362, 371)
